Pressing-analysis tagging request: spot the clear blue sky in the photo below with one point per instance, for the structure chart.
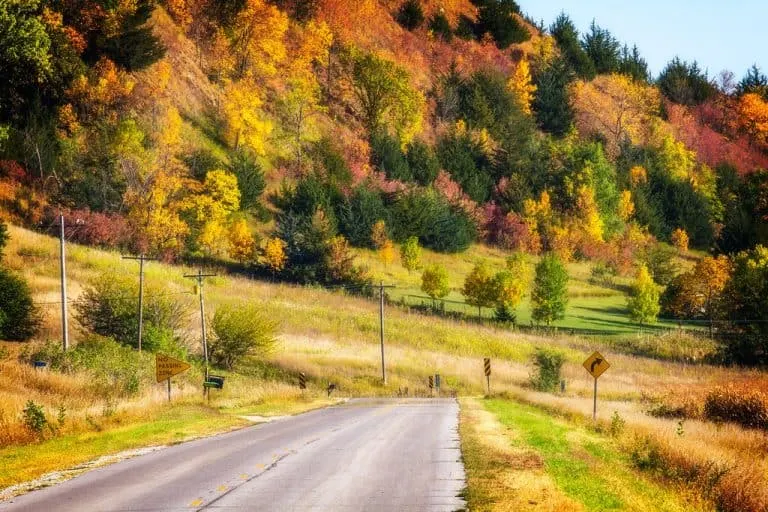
(719, 35)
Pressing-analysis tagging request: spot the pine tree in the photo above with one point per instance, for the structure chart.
(551, 102)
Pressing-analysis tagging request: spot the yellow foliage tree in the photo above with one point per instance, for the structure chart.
(680, 239)
(522, 86)
(244, 119)
(241, 241)
(387, 253)
(617, 108)
(626, 205)
(638, 176)
(590, 223)
(273, 255)
(379, 234)
(257, 40)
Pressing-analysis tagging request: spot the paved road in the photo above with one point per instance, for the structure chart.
(378, 455)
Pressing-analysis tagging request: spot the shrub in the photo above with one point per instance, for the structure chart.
(547, 364)
(441, 27)
(109, 307)
(34, 417)
(602, 275)
(240, 332)
(738, 404)
(410, 15)
(86, 227)
(21, 317)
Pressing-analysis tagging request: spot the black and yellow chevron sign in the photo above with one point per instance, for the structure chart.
(302, 381)
(487, 365)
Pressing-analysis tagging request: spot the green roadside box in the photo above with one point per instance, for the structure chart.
(214, 381)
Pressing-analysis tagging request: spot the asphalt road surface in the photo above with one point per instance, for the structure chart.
(378, 455)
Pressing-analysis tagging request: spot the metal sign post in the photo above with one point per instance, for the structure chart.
(595, 365)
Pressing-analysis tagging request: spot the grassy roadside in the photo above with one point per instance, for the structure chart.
(160, 426)
(581, 470)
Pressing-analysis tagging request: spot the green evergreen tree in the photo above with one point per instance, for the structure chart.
(755, 82)
(550, 290)
(567, 37)
(685, 83)
(551, 102)
(602, 48)
(410, 15)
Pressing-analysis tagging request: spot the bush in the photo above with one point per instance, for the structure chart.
(441, 27)
(547, 365)
(21, 318)
(738, 404)
(115, 369)
(109, 307)
(83, 226)
(434, 282)
(34, 417)
(410, 15)
(240, 332)
(550, 287)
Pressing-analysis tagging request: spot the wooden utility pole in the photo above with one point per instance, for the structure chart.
(199, 277)
(141, 258)
(63, 267)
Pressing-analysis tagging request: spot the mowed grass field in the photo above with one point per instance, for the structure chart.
(592, 308)
(334, 337)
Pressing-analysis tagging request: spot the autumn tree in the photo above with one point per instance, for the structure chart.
(273, 255)
(410, 254)
(245, 122)
(384, 95)
(522, 86)
(616, 108)
(211, 208)
(679, 239)
(643, 301)
(508, 290)
(257, 40)
(626, 205)
(479, 289)
(302, 98)
(550, 290)
(434, 282)
(387, 253)
(379, 234)
(753, 111)
(242, 244)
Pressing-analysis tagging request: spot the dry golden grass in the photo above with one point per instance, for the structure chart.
(333, 337)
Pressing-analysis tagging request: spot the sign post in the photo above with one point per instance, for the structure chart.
(487, 368)
(166, 367)
(595, 365)
(437, 383)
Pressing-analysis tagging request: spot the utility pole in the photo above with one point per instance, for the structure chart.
(141, 258)
(63, 266)
(199, 277)
(381, 329)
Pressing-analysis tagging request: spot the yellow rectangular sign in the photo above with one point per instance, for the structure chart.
(596, 364)
(166, 367)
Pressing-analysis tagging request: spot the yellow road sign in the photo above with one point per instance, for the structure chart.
(166, 367)
(596, 364)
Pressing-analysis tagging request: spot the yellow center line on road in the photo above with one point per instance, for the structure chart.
(260, 466)
(196, 503)
(244, 476)
(222, 488)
